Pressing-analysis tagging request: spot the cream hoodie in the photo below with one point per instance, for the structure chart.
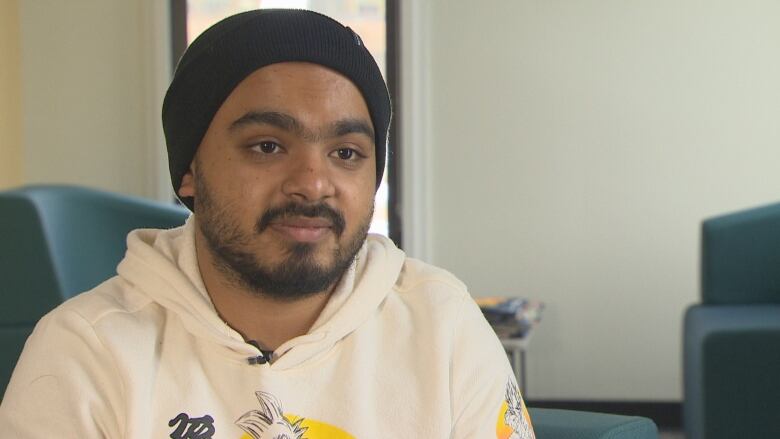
(400, 351)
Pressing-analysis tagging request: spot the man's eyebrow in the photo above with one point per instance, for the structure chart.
(274, 118)
(349, 126)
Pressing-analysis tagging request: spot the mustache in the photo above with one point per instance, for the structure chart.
(320, 210)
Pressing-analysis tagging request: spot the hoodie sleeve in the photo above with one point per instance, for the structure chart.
(64, 384)
(486, 401)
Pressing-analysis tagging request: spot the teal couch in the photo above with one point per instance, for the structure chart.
(732, 338)
(57, 241)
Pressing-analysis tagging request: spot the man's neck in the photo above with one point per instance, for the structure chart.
(257, 317)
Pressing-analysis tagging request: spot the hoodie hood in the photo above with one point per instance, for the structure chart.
(163, 265)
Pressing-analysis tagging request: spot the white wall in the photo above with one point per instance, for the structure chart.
(576, 146)
(93, 75)
(11, 147)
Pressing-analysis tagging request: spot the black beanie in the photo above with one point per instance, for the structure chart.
(226, 53)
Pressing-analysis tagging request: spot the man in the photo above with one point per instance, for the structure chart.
(270, 314)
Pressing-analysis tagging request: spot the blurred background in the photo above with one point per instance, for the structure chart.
(563, 151)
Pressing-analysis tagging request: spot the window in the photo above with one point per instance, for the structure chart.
(371, 19)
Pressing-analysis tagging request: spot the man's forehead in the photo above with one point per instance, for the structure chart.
(295, 90)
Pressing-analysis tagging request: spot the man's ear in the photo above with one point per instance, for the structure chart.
(187, 187)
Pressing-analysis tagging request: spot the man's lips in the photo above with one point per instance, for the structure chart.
(303, 229)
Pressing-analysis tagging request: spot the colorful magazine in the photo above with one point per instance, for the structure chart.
(511, 317)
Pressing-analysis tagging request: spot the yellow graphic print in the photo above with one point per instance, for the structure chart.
(269, 422)
(513, 421)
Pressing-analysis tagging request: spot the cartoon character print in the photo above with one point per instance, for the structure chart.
(269, 421)
(516, 416)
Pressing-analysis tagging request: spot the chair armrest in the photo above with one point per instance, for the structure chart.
(731, 358)
(571, 424)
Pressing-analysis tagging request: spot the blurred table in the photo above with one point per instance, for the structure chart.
(515, 349)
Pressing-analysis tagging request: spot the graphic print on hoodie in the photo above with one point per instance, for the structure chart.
(270, 422)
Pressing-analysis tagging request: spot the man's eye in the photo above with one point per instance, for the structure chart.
(345, 153)
(267, 147)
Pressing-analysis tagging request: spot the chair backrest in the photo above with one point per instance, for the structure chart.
(740, 257)
(58, 241)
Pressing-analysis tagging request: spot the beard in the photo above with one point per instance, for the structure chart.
(298, 275)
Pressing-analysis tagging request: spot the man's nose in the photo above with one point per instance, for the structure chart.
(309, 179)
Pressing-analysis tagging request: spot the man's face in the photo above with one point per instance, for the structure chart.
(284, 180)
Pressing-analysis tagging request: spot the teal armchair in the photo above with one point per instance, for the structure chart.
(57, 241)
(732, 339)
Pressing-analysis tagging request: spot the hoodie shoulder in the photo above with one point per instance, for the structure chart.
(416, 274)
(115, 295)
(110, 297)
(407, 274)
